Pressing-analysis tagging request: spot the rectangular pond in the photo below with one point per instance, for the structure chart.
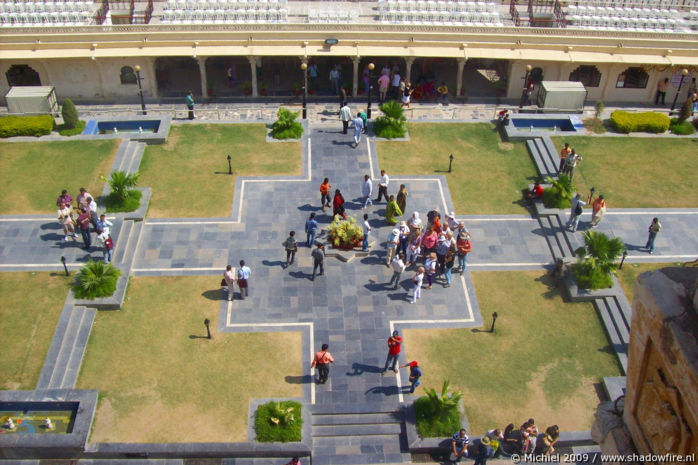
(526, 126)
(117, 127)
(151, 129)
(30, 417)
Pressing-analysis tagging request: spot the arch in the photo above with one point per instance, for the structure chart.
(537, 75)
(175, 76)
(128, 75)
(633, 77)
(22, 75)
(589, 75)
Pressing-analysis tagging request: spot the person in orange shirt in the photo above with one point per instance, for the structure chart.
(322, 360)
(598, 211)
(566, 150)
(325, 193)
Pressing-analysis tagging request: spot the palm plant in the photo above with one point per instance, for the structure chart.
(445, 401)
(597, 260)
(96, 279)
(282, 415)
(286, 127)
(122, 183)
(559, 194)
(394, 123)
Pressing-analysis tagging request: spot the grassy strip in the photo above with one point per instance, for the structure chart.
(432, 426)
(131, 203)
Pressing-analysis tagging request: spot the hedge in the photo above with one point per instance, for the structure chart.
(11, 126)
(649, 121)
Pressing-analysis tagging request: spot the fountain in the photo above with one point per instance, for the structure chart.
(140, 129)
(35, 418)
(116, 131)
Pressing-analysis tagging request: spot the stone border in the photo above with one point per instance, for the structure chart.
(113, 302)
(159, 137)
(581, 295)
(20, 446)
(513, 133)
(138, 214)
(420, 445)
(395, 139)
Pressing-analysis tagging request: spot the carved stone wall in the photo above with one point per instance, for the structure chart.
(661, 402)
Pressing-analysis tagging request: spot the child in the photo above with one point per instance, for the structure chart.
(108, 242)
(418, 278)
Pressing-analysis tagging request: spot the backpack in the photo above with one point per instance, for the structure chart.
(578, 209)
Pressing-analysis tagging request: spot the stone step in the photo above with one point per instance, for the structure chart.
(136, 156)
(120, 241)
(535, 154)
(625, 308)
(125, 161)
(549, 234)
(55, 347)
(357, 430)
(553, 152)
(358, 419)
(618, 345)
(130, 462)
(19, 462)
(550, 168)
(128, 244)
(562, 237)
(621, 325)
(69, 343)
(76, 356)
(261, 461)
(370, 457)
(365, 407)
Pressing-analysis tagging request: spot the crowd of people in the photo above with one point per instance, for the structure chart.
(82, 215)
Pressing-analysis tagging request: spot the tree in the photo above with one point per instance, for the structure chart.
(121, 183)
(597, 260)
(445, 401)
(69, 113)
(96, 279)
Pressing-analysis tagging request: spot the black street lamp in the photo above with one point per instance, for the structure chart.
(494, 319)
(230, 166)
(65, 267)
(137, 68)
(208, 330)
(625, 254)
(450, 162)
(525, 86)
(304, 67)
(371, 66)
(684, 72)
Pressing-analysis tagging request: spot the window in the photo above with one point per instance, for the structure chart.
(632, 78)
(128, 76)
(588, 75)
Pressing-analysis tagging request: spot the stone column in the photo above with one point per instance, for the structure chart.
(202, 71)
(153, 84)
(409, 61)
(253, 71)
(355, 77)
(459, 76)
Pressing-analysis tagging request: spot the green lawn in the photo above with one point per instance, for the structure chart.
(33, 174)
(27, 324)
(159, 382)
(488, 175)
(637, 172)
(189, 174)
(541, 362)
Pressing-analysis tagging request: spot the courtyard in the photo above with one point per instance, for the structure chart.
(152, 366)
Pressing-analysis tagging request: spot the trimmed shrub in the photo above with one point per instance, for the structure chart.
(69, 114)
(393, 124)
(95, 280)
(12, 126)
(649, 121)
(681, 128)
(686, 110)
(286, 127)
(278, 422)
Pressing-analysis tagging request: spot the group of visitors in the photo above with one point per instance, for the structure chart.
(84, 216)
(569, 159)
(241, 276)
(358, 122)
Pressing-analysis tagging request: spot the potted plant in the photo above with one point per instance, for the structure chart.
(297, 88)
(209, 89)
(246, 87)
(345, 234)
(263, 89)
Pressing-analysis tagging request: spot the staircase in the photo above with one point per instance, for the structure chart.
(128, 159)
(544, 156)
(125, 248)
(561, 245)
(616, 314)
(64, 356)
(358, 435)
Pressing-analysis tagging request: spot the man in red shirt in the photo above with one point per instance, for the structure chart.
(394, 345)
(84, 223)
(322, 360)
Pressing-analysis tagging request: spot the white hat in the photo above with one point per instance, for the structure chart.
(396, 231)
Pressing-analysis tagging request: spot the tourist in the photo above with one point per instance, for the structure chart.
(366, 190)
(383, 186)
(391, 245)
(564, 153)
(189, 100)
(294, 461)
(482, 451)
(394, 345)
(65, 218)
(395, 90)
(229, 278)
(415, 374)
(442, 90)
(108, 244)
(358, 125)
(231, 75)
(654, 228)
(571, 163)
(311, 226)
(459, 445)
(65, 198)
(463, 248)
(401, 198)
(322, 361)
(429, 240)
(92, 210)
(367, 230)
(291, 248)
(550, 438)
(84, 223)
(536, 192)
(334, 79)
(413, 249)
(383, 83)
(345, 116)
(82, 199)
(496, 437)
(415, 223)
(407, 94)
(417, 281)
(392, 211)
(318, 255)
(398, 265)
(598, 210)
(449, 260)
(338, 205)
(430, 267)
(102, 223)
(452, 222)
(312, 75)
(661, 91)
(576, 211)
(364, 118)
(442, 246)
(244, 273)
(529, 433)
(434, 220)
(404, 237)
(325, 193)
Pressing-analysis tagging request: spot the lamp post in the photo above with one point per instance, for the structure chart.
(230, 166)
(65, 267)
(684, 72)
(137, 68)
(625, 254)
(494, 319)
(304, 67)
(525, 86)
(450, 162)
(371, 66)
(208, 330)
